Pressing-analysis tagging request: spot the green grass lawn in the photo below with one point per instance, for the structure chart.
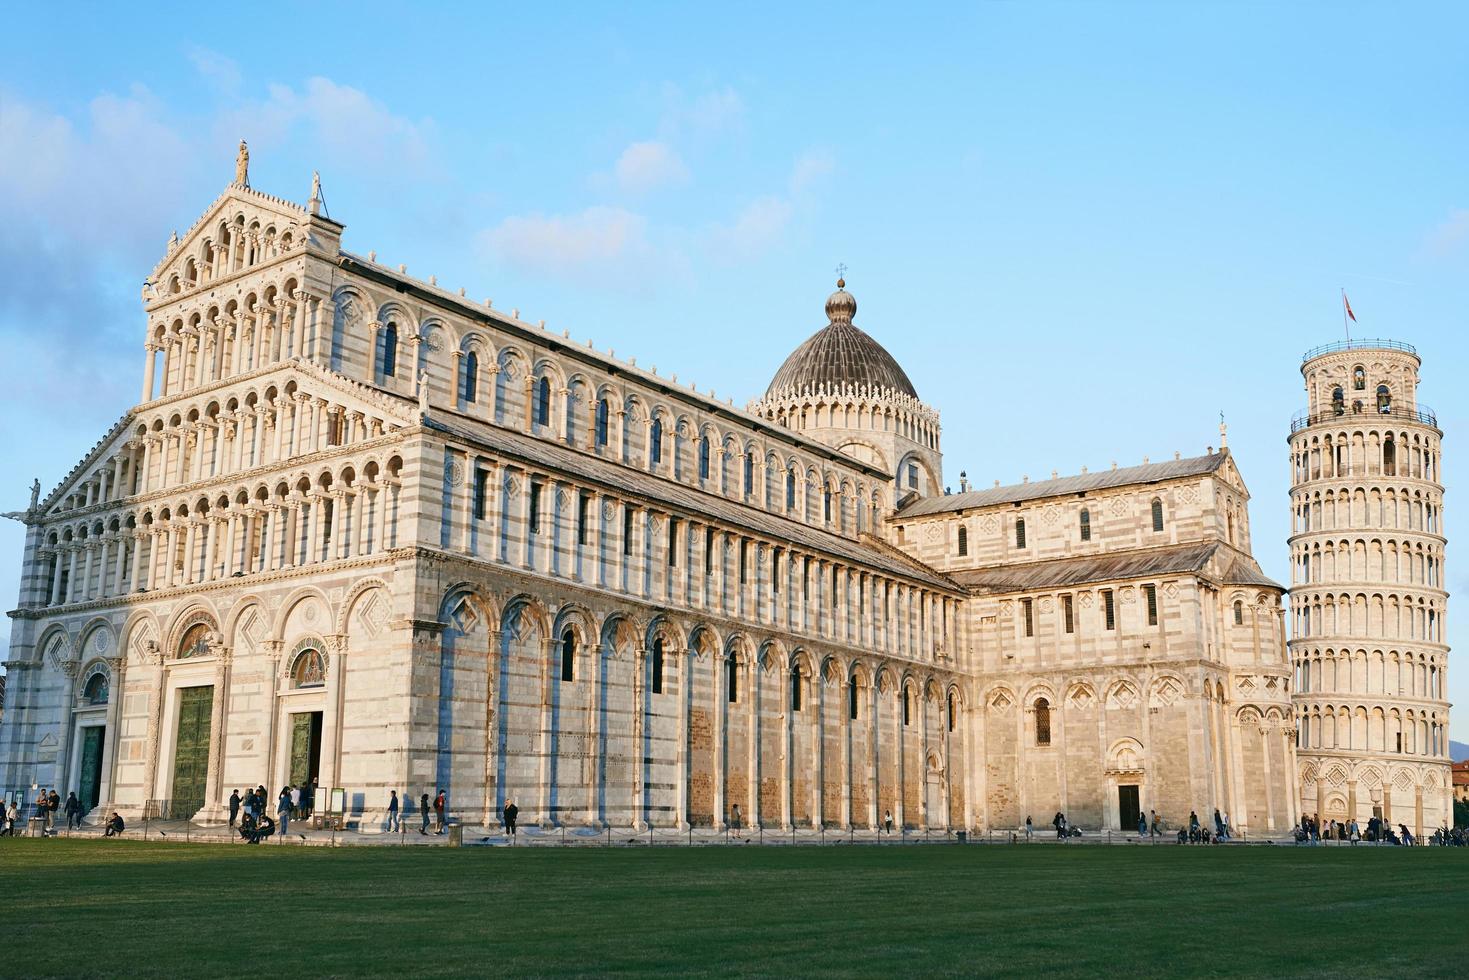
(90, 907)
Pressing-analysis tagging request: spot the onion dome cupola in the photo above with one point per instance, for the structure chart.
(842, 388)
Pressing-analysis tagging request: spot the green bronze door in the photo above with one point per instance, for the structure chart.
(191, 751)
(305, 748)
(90, 790)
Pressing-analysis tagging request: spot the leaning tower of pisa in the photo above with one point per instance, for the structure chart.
(1367, 590)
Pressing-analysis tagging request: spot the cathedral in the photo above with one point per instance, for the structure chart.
(363, 532)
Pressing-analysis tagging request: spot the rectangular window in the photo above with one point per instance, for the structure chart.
(732, 680)
(775, 570)
(1020, 532)
(806, 580)
(913, 475)
(673, 541)
(1068, 614)
(749, 476)
(1109, 610)
(852, 699)
(795, 690)
(708, 550)
(1151, 593)
(481, 481)
(535, 508)
(657, 684)
(1027, 611)
(627, 524)
(744, 551)
(583, 501)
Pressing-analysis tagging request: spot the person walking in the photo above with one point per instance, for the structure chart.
(283, 808)
(7, 819)
(1029, 828)
(1059, 822)
(1218, 825)
(394, 824)
(735, 821)
(423, 810)
(439, 802)
(73, 812)
(1142, 824)
(295, 804)
(887, 821)
(511, 812)
(1156, 828)
(234, 806)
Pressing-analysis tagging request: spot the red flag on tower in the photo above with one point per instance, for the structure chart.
(1348, 305)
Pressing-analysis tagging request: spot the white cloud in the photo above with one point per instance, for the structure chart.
(648, 166)
(1453, 233)
(598, 236)
(810, 169)
(219, 70)
(716, 112)
(758, 225)
(344, 122)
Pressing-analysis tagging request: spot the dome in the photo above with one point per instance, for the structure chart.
(840, 354)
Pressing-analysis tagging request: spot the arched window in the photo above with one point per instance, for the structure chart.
(309, 670)
(195, 642)
(568, 656)
(795, 687)
(1239, 613)
(1389, 457)
(749, 476)
(1020, 532)
(790, 491)
(953, 711)
(1359, 378)
(1384, 400)
(96, 690)
(1338, 401)
(852, 698)
(963, 541)
(1157, 514)
(656, 667)
(1042, 722)
(826, 505)
(732, 679)
(907, 706)
(1086, 524)
(471, 376)
(703, 457)
(543, 401)
(390, 350)
(655, 442)
(602, 411)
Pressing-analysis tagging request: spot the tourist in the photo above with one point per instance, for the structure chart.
(1354, 833)
(439, 802)
(1403, 832)
(55, 804)
(247, 824)
(1059, 822)
(73, 812)
(1157, 828)
(295, 804)
(308, 798)
(234, 806)
(887, 820)
(1029, 828)
(265, 828)
(115, 825)
(423, 810)
(511, 812)
(1219, 833)
(735, 821)
(283, 808)
(1142, 825)
(1227, 831)
(8, 816)
(394, 824)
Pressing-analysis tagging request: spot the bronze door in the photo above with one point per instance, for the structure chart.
(90, 790)
(1127, 807)
(191, 751)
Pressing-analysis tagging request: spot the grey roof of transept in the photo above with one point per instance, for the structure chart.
(1018, 492)
(1237, 569)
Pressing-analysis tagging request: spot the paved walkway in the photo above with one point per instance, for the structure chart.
(473, 835)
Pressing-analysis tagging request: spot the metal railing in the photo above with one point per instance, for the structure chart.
(1421, 414)
(1366, 344)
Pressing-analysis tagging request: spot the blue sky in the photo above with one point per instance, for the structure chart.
(1083, 229)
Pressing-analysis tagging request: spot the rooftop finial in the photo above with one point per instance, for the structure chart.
(242, 165)
(316, 202)
(841, 275)
(1223, 433)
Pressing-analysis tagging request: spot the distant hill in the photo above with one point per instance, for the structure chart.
(1458, 751)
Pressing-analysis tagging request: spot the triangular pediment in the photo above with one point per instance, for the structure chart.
(254, 220)
(90, 466)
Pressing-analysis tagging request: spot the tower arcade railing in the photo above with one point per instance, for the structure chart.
(1421, 413)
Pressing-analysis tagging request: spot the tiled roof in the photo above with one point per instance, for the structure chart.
(1065, 572)
(836, 355)
(1148, 473)
(684, 499)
